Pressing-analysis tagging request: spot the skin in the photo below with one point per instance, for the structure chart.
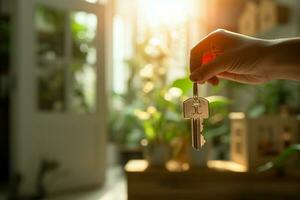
(245, 59)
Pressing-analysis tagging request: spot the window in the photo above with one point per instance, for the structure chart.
(66, 60)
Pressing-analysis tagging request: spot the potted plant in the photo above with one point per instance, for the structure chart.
(166, 132)
(275, 97)
(152, 108)
(146, 68)
(125, 130)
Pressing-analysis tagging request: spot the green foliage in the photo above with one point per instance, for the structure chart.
(184, 84)
(166, 122)
(142, 108)
(53, 20)
(280, 160)
(270, 96)
(124, 126)
(218, 122)
(156, 113)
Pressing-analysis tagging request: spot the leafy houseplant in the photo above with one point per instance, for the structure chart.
(273, 98)
(160, 108)
(151, 107)
(279, 162)
(125, 129)
(147, 76)
(166, 133)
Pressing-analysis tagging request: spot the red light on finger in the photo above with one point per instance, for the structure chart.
(207, 57)
(210, 55)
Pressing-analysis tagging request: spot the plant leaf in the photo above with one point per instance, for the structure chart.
(217, 101)
(279, 160)
(149, 131)
(215, 132)
(184, 84)
(257, 111)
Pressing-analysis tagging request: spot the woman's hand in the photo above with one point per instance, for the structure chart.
(245, 59)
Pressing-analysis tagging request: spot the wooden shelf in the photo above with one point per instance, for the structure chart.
(146, 182)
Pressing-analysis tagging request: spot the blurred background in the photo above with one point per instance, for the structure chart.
(91, 96)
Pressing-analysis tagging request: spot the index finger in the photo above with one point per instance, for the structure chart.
(197, 53)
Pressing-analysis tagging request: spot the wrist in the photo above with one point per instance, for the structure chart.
(283, 59)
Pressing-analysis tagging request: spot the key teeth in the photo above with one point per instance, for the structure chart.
(202, 140)
(196, 149)
(201, 125)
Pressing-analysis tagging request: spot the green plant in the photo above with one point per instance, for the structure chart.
(272, 95)
(218, 122)
(280, 160)
(124, 127)
(146, 80)
(152, 107)
(167, 123)
(164, 121)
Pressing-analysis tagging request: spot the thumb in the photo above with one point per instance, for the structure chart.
(211, 69)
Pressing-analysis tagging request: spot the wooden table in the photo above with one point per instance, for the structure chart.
(155, 183)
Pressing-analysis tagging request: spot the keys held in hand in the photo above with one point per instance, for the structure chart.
(196, 109)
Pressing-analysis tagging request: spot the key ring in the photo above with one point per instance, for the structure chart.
(195, 90)
(195, 93)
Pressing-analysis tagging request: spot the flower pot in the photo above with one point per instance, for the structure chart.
(200, 158)
(156, 154)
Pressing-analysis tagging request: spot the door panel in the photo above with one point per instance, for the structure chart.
(59, 100)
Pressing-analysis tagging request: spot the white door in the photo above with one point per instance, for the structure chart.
(59, 96)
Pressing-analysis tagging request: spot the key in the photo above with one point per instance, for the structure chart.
(196, 109)
(197, 138)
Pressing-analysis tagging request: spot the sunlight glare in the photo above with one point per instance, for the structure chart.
(164, 12)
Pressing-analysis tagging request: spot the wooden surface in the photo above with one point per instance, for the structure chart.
(146, 182)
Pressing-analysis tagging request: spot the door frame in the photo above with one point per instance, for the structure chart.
(22, 94)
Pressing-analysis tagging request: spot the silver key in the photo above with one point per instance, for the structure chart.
(196, 109)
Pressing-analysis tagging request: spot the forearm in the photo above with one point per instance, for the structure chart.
(285, 58)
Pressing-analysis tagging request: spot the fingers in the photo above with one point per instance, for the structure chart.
(210, 70)
(241, 78)
(207, 44)
(214, 80)
(197, 53)
(195, 58)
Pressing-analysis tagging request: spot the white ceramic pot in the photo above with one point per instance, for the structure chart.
(200, 158)
(157, 154)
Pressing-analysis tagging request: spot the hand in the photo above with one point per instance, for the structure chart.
(243, 59)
